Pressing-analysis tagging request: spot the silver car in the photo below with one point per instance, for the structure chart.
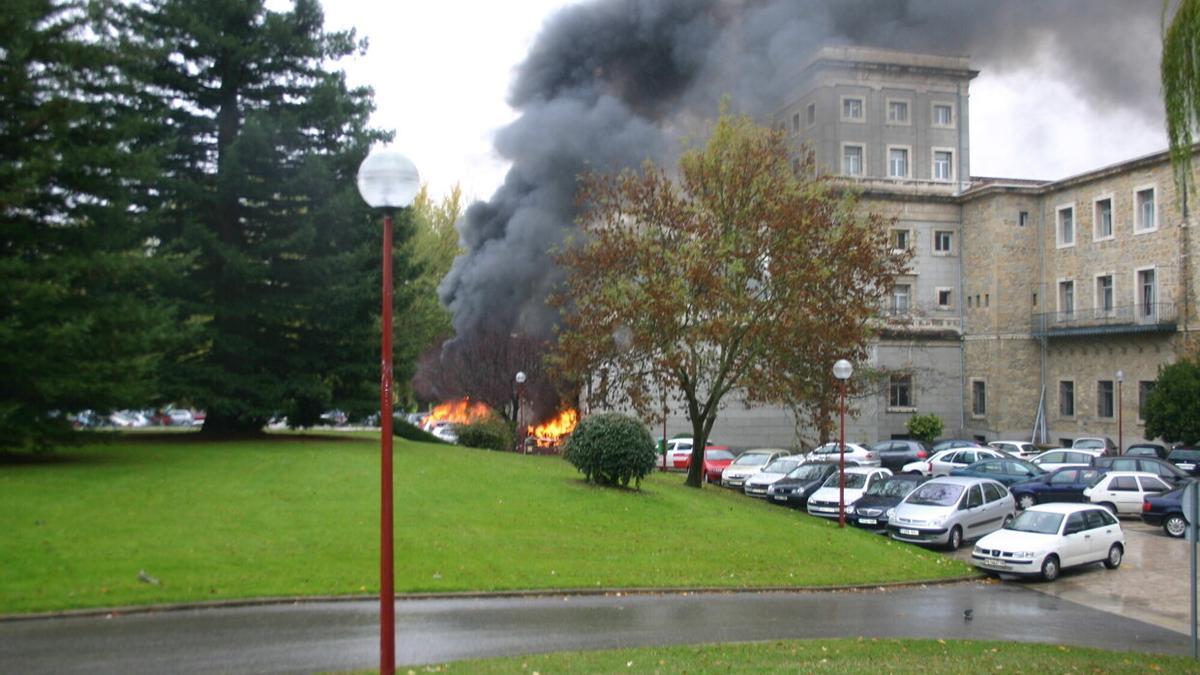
(952, 509)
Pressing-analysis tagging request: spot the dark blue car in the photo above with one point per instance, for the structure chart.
(1006, 471)
(1186, 459)
(1063, 485)
(1166, 510)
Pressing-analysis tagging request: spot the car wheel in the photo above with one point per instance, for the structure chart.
(1050, 568)
(1115, 553)
(1026, 501)
(1175, 525)
(1112, 508)
(955, 538)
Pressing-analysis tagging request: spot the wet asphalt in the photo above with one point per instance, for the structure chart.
(327, 636)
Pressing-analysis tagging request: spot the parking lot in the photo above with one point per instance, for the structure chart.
(1151, 585)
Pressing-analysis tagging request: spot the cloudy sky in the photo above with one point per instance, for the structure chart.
(441, 72)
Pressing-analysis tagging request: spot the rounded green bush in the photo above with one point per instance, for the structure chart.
(490, 433)
(611, 449)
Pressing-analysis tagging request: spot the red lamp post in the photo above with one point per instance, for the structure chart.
(521, 411)
(387, 180)
(842, 370)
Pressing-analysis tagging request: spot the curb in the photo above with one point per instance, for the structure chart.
(112, 612)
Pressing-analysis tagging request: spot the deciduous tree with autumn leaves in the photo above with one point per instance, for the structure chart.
(733, 275)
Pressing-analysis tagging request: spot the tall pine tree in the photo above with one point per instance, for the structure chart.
(261, 145)
(80, 325)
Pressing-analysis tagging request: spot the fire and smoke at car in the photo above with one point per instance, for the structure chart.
(555, 430)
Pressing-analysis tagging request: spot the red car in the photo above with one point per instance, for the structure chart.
(716, 458)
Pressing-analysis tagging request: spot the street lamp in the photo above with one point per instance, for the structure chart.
(520, 410)
(387, 180)
(1120, 428)
(842, 370)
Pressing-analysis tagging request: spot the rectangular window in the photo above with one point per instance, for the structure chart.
(897, 162)
(978, 398)
(1104, 398)
(1066, 398)
(899, 240)
(852, 109)
(852, 160)
(811, 112)
(1066, 297)
(897, 112)
(900, 296)
(796, 123)
(1144, 215)
(1103, 215)
(900, 391)
(943, 242)
(1144, 389)
(943, 115)
(945, 298)
(1147, 293)
(1066, 226)
(1022, 219)
(943, 165)
(1104, 293)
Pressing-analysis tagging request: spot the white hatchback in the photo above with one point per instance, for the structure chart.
(1044, 539)
(1124, 491)
(1059, 458)
(855, 454)
(942, 463)
(824, 502)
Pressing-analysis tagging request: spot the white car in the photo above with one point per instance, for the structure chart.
(1044, 539)
(1061, 457)
(446, 432)
(824, 502)
(1022, 449)
(747, 464)
(855, 453)
(756, 485)
(942, 463)
(1124, 491)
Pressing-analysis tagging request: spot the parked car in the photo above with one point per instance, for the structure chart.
(950, 510)
(1006, 470)
(715, 462)
(1022, 449)
(1147, 450)
(179, 417)
(895, 454)
(1186, 459)
(447, 432)
(756, 485)
(679, 453)
(942, 463)
(1163, 469)
(1061, 485)
(1049, 537)
(1105, 445)
(859, 479)
(795, 488)
(954, 443)
(871, 511)
(747, 464)
(1057, 458)
(856, 453)
(1166, 510)
(1124, 491)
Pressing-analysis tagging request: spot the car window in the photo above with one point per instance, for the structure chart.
(935, 494)
(990, 493)
(1016, 469)
(1161, 470)
(1028, 448)
(1075, 523)
(1089, 443)
(1079, 457)
(1095, 518)
(1124, 465)
(1064, 477)
(1184, 455)
(1123, 484)
(974, 497)
(1153, 484)
(968, 456)
(1052, 458)
(988, 467)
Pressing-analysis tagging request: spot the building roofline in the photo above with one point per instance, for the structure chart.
(983, 186)
(876, 58)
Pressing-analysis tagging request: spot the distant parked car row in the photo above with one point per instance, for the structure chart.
(135, 419)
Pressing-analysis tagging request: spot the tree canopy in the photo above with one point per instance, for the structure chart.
(741, 275)
(1173, 406)
(1180, 71)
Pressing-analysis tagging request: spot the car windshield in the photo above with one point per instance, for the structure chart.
(718, 455)
(893, 487)
(808, 471)
(781, 466)
(1089, 444)
(831, 449)
(936, 494)
(854, 481)
(1039, 522)
(1190, 455)
(751, 460)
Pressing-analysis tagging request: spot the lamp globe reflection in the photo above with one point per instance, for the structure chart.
(388, 179)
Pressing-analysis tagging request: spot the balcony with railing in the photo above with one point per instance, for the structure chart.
(1144, 318)
(924, 320)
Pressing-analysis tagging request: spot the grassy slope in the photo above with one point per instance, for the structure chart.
(834, 656)
(299, 516)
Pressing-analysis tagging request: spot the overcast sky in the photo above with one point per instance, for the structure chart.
(441, 72)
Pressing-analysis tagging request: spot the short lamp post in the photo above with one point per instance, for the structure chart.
(387, 180)
(520, 410)
(1120, 419)
(842, 370)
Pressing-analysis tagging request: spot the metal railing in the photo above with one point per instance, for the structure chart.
(1116, 319)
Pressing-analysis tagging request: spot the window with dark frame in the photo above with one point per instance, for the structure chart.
(943, 241)
(1022, 219)
(1066, 398)
(978, 398)
(1104, 398)
(811, 111)
(1144, 389)
(900, 391)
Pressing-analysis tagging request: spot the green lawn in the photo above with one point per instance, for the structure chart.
(833, 656)
(298, 515)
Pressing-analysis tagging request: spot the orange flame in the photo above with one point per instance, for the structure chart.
(459, 412)
(553, 431)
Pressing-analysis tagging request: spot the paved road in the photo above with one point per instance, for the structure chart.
(342, 635)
